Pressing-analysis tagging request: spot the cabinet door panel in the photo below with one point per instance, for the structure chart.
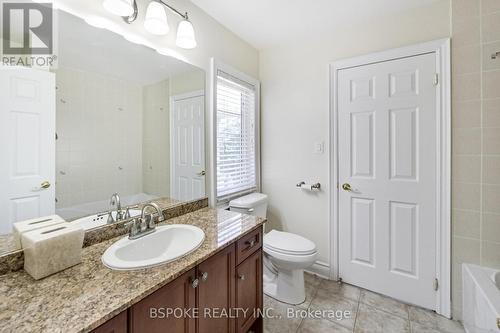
(150, 315)
(249, 290)
(117, 324)
(216, 292)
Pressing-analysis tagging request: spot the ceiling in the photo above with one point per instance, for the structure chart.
(84, 47)
(267, 23)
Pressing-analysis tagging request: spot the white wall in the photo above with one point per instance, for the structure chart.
(295, 112)
(187, 82)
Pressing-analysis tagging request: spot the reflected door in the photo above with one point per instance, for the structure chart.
(188, 146)
(27, 145)
(387, 172)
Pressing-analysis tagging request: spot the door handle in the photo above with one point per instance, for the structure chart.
(347, 187)
(201, 173)
(44, 185)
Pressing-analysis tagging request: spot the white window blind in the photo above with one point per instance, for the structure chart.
(236, 136)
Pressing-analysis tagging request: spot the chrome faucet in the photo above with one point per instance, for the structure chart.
(145, 224)
(115, 200)
(154, 206)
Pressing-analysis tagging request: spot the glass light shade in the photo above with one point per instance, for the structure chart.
(185, 35)
(119, 7)
(156, 19)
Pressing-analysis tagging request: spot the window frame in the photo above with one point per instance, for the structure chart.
(217, 66)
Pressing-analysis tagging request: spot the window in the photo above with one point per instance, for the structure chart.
(236, 135)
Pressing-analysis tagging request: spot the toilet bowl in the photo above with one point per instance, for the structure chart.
(286, 255)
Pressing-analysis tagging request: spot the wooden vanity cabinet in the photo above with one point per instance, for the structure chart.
(228, 280)
(150, 314)
(117, 324)
(215, 293)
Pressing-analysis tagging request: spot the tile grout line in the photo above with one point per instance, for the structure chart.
(357, 312)
(482, 131)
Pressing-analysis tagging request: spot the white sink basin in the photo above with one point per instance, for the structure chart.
(94, 221)
(167, 243)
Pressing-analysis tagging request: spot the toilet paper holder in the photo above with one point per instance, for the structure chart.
(310, 187)
(495, 55)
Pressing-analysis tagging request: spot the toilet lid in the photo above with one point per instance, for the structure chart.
(286, 242)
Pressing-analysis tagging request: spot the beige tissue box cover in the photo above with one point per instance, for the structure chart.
(33, 224)
(52, 249)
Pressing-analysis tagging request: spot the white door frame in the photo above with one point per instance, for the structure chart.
(173, 99)
(441, 49)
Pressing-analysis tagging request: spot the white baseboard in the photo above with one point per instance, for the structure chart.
(320, 268)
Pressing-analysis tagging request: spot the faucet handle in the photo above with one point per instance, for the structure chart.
(142, 223)
(134, 230)
(127, 213)
(110, 218)
(161, 218)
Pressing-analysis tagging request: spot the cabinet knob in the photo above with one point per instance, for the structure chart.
(241, 276)
(204, 276)
(195, 283)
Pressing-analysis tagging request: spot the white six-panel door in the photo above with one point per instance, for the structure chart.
(27, 145)
(387, 178)
(188, 147)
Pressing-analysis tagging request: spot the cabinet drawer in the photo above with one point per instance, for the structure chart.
(248, 245)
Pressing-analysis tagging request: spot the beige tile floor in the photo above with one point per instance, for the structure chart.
(370, 312)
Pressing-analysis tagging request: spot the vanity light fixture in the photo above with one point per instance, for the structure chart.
(185, 35)
(155, 21)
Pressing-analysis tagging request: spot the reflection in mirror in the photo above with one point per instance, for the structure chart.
(129, 128)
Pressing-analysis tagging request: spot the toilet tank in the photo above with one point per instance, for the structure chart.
(252, 204)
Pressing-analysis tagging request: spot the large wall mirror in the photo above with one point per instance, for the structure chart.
(126, 124)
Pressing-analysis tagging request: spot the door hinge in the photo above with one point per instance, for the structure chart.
(436, 284)
(436, 79)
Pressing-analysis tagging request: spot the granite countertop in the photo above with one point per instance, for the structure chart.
(85, 296)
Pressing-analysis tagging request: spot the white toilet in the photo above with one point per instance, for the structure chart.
(286, 255)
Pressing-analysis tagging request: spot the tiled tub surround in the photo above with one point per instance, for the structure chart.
(476, 138)
(85, 296)
(108, 132)
(14, 260)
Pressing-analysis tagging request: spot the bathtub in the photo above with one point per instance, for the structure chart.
(90, 208)
(481, 299)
